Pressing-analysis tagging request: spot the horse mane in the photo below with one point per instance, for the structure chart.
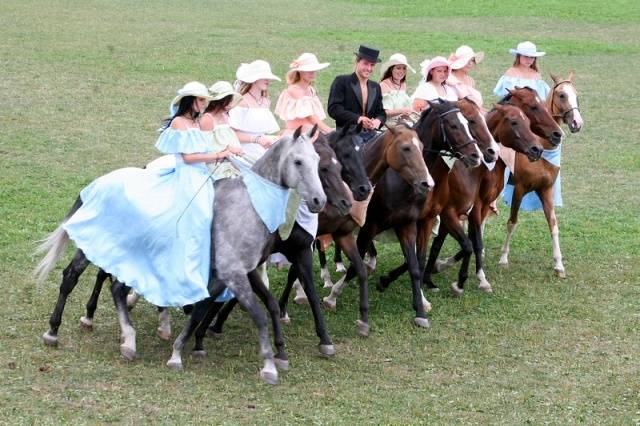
(508, 96)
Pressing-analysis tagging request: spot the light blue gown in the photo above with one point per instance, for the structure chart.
(530, 201)
(152, 228)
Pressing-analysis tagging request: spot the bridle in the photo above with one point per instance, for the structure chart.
(450, 151)
(554, 106)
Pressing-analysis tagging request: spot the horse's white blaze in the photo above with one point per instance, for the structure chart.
(465, 124)
(494, 144)
(572, 97)
(416, 142)
(334, 160)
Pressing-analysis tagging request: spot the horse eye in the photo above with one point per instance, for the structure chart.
(298, 163)
(562, 96)
(534, 108)
(472, 122)
(406, 149)
(514, 123)
(324, 169)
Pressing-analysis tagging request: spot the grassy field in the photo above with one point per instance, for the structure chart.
(84, 85)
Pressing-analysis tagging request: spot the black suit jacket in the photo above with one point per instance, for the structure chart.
(345, 101)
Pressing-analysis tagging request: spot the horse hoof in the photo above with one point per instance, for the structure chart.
(286, 320)
(340, 267)
(421, 322)
(175, 365)
(199, 354)
(503, 263)
(362, 328)
(270, 377)
(328, 284)
(382, 284)
(163, 334)
(281, 364)
(486, 287)
(329, 304)
(127, 353)
(457, 291)
(301, 300)
(560, 273)
(327, 350)
(86, 324)
(214, 334)
(49, 339)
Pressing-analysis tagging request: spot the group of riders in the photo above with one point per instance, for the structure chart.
(150, 227)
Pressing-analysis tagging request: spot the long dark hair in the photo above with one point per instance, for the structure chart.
(219, 104)
(185, 106)
(387, 73)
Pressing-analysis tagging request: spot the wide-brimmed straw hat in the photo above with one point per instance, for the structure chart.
(222, 89)
(429, 64)
(307, 62)
(193, 88)
(368, 53)
(256, 70)
(526, 48)
(463, 55)
(395, 59)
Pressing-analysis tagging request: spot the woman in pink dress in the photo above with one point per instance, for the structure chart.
(299, 105)
(462, 62)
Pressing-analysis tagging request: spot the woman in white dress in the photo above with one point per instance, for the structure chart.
(434, 86)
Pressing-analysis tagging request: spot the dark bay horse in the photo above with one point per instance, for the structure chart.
(397, 149)
(540, 177)
(239, 239)
(441, 128)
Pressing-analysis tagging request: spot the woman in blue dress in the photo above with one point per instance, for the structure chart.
(151, 228)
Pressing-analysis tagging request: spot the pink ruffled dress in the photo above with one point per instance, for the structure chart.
(463, 89)
(296, 111)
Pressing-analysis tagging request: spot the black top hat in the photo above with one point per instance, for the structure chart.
(368, 53)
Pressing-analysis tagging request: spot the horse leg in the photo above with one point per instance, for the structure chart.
(407, 238)
(198, 313)
(455, 228)
(324, 271)
(424, 233)
(337, 259)
(304, 269)
(546, 196)
(86, 322)
(516, 199)
(132, 299)
(70, 277)
(258, 287)
(164, 327)
(477, 241)
(216, 329)
(372, 260)
(292, 278)
(202, 328)
(119, 292)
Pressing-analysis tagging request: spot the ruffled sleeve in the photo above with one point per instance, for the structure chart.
(542, 88)
(172, 141)
(509, 82)
(290, 108)
(501, 87)
(395, 99)
(426, 92)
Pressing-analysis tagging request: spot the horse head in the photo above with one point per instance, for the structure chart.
(330, 171)
(402, 152)
(563, 102)
(292, 162)
(442, 127)
(512, 129)
(347, 146)
(479, 130)
(542, 123)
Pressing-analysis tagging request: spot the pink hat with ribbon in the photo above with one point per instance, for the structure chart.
(307, 62)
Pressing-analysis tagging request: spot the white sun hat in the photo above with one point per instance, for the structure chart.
(192, 88)
(463, 55)
(307, 62)
(222, 89)
(526, 48)
(396, 59)
(256, 70)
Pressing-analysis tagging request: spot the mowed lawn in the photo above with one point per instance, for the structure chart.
(84, 85)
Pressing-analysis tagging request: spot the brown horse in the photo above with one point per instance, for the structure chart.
(442, 129)
(548, 131)
(540, 177)
(397, 149)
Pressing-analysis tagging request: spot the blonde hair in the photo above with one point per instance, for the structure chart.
(293, 76)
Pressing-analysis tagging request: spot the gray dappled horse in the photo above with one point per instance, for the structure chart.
(238, 236)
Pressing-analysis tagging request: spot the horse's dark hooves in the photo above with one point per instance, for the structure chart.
(327, 350)
(128, 353)
(281, 364)
(199, 354)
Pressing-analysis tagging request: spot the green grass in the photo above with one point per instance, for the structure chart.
(84, 86)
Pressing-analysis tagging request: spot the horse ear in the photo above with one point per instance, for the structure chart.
(554, 78)
(313, 131)
(393, 130)
(432, 103)
(571, 75)
(296, 134)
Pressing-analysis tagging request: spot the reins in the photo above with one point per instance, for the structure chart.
(451, 151)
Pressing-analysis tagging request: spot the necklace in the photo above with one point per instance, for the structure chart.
(397, 85)
(259, 100)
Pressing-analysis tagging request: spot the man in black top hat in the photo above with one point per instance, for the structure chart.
(356, 99)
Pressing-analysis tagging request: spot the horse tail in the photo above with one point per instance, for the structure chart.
(54, 244)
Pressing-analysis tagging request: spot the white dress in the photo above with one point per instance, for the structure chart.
(254, 122)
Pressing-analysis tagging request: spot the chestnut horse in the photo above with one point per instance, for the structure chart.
(540, 177)
(442, 129)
